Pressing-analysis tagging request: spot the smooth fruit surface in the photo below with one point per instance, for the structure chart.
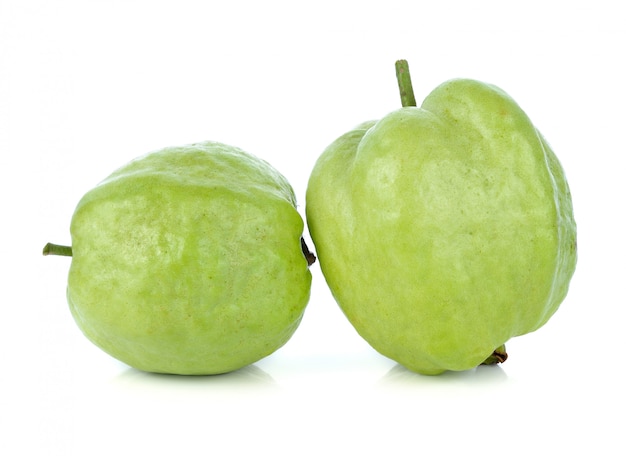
(445, 230)
(188, 261)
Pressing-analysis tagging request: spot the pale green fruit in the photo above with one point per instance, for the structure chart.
(444, 231)
(189, 261)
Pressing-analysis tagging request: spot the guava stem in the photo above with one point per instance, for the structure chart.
(404, 84)
(499, 355)
(55, 249)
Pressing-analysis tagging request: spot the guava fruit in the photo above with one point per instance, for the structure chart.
(188, 260)
(444, 230)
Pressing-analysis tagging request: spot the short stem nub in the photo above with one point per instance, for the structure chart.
(404, 84)
(54, 249)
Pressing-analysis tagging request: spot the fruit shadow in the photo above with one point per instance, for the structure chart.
(481, 375)
(251, 375)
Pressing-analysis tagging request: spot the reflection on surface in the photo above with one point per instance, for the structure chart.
(247, 376)
(479, 375)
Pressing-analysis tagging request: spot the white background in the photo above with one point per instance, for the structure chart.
(85, 86)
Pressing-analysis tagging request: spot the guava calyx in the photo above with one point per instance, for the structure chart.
(498, 356)
(310, 256)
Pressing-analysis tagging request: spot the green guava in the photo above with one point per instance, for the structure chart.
(444, 230)
(188, 260)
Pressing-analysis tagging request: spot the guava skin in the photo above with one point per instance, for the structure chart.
(445, 230)
(188, 261)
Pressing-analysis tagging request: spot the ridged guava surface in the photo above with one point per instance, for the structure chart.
(188, 261)
(445, 230)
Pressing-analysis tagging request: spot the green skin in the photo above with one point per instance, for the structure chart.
(189, 261)
(444, 231)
